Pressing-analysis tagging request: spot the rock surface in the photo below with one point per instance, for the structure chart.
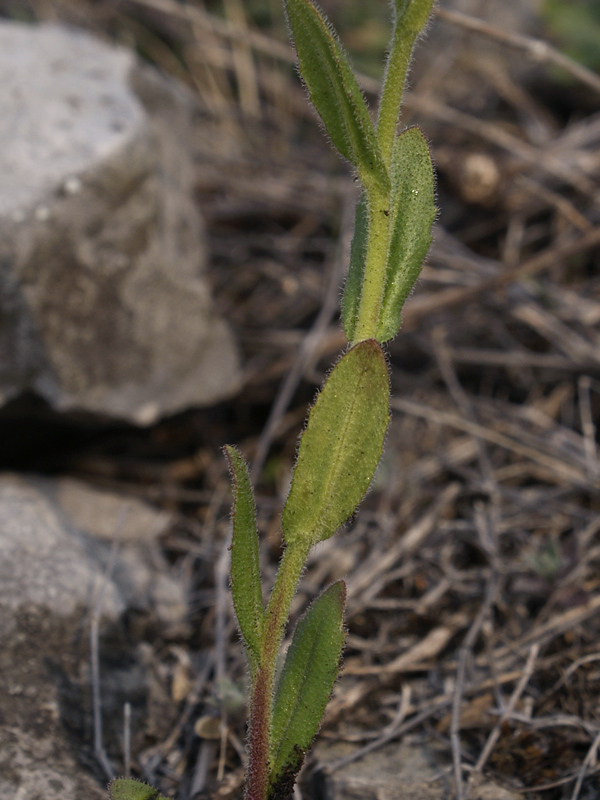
(101, 246)
(50, 573)
(140, 573)
(396, 771)
(44, 570)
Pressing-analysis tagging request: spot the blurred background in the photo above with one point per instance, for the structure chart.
(473, 566)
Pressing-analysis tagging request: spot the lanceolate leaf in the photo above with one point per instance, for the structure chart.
(341, 446)
(310, 669)
(245, 569)
(335, 92)
(356, 271)
(129, 789)
(412, 212)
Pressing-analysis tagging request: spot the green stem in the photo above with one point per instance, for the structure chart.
(286, 582)
(278, 609)
(371, 296)
(410, 19)
(403, 40)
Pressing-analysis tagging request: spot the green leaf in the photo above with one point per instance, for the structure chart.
(341, 446)
(304, 688)
(129, 789)
(412, 213)
(335, 92)
(245, 569)
(356, 271)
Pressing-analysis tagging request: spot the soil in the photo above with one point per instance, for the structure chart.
(473, 564)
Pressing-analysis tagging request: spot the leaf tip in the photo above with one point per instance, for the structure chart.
(131, 789)
(339, 592)
(230, 452)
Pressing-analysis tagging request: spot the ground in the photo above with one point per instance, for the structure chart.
(473, 564)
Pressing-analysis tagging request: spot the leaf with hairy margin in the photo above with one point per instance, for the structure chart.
(340, 447)
(335, 92)
(245, 568)
(130, 789)
(412, 213)
(305, 685)
(356, 270)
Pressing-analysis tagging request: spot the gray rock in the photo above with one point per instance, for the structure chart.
(141, 573)
(46, 584)
(31, 767)
(45, 570)
(50, 573)
(397, 771)
(107, 515)
(101, 246)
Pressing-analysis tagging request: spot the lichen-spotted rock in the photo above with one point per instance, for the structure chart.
(54, 573)
(102, 299)
(47, 582)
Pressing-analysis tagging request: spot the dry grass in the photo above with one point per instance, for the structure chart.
(474, 565)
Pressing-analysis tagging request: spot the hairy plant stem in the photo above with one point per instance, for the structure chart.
(393, 88)
(375, 268)
(286, 582)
